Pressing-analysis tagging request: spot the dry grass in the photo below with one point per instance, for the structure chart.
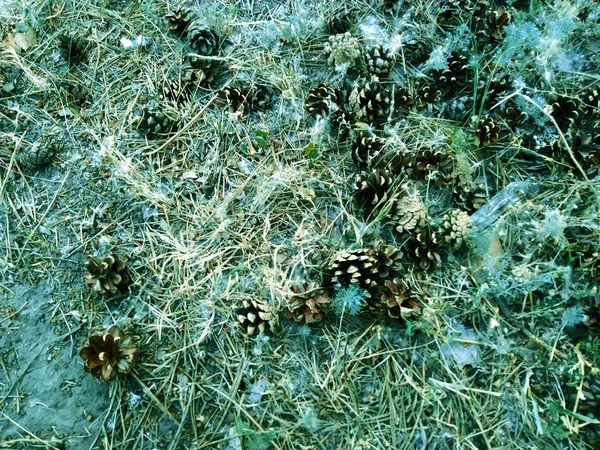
(207, 223)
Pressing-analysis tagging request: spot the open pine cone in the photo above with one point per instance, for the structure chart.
(308, 304)
(255, 314)
(109, 354)
(179, 19)
(321, 100)
(371, 101)
(349, 267)
(398, 300)
(107, 275)
(365, 147)
(423, 249)
(565, 111)
(372, 189)
(238, 100)
(488, 131)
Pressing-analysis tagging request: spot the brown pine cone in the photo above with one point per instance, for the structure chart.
(321, 98)
(255, 314)
(308, 304)
(372, 189)
(423, 249)
(408, 214)
(371, 101)
(109, 354)
(107, 275)
(365, 148)
(179, 19)
(398, 300)
(354, 267)
(379, 61)
(488, 131)
(238, 100)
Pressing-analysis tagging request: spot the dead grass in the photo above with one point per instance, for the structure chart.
(206, 223)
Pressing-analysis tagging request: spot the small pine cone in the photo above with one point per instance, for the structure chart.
(308, 304)
(513, 116)
(204, 41)
(365, 148)
(565, 111)
(379, 61)
(488, 131)
(175, 90)
(423, 247)
(238, 100)
(408, 214)
(403, 164)
(371, 101)
(255, 315)
(179, 19)
(429, 94)
(386, 259)
(151, 122)
(454, 78)
(398, 300)
(372, 189)
(470, 197)
(107, 275)
(498, 85)
(339, 22)
(402, 101)
(342, 48)
(349, 267)
(109, 354)
(586, 145)
(437, 163)
(389, 6)
(342, 121)
(73, 49)
(591, 101)
(496, 21)
(321, 100)
(455, 227)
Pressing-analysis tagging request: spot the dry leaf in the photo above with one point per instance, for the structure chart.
(21, 42)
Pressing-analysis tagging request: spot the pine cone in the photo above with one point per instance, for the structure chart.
(175, 90)
(204, 42)
(107, 275)
(488, 131)
(498, 85)
(321, 98)
(73, 49)
(379, 61)
(150, 121)
(565, 111)
(423, 247)
(408, 214)
(366, 267)
(342, 49)
(371, 101)
(308, 304)
(436, 163)
(339, 22)
(489, 25)
(256, 315)
(365, 148)
(455, 228)
(109, 354)
(350, 267)
(591, 101)
(513, 116)
(402, 102)
(470, 197)
(342, 121)
(179, 19)
(372, 189)
(238, 100)
(389, 6)
(398, 300)
(386, 259)
(429, 94)
(453, 79)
